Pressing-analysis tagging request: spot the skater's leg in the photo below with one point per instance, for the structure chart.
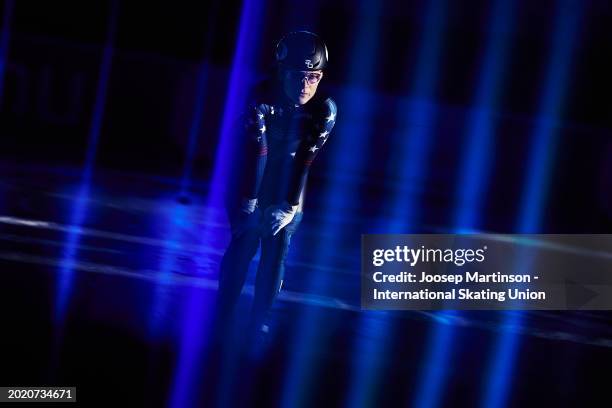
(271, 272)
(235, 266)
(220, 359)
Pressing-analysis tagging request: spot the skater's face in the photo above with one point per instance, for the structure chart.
(300, 86)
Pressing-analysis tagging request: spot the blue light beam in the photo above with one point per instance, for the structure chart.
(370, 350)
(537, 183)
(195, 310)
(79, 210)
(349, 154)
(475, 167)
(4, 42)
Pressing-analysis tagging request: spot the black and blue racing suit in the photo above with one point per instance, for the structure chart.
(279, 142)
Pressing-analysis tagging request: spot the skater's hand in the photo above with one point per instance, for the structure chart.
(248, 206)
(278, 216)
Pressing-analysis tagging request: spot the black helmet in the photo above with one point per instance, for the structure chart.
(301, 50)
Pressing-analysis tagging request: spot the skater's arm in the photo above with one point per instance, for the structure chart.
(309, 148)
(257, 148)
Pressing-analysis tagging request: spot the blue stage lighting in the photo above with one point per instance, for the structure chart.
(475, 166)
(478, 150)
(349, 149)
(4, 41)
(538, 174)
(174, 223)
(79, 209)
(417, 121)
(196, 309)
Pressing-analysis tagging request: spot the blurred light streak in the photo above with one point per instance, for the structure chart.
(417, 116)
(478, 151)
(175, 221)
(198, 106)
(537, 182)
(4, 41)
(348, 147)
(177, 216)
(194, 130)
(473, 179)
(371, 350)
(79, 208)
(197, 308)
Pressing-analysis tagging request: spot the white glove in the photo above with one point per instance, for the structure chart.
(248, 206)
(278, 216)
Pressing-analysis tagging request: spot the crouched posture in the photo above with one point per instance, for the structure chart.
(282, 132)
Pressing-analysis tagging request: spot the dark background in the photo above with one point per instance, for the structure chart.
(55, 52)
(159, 51)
